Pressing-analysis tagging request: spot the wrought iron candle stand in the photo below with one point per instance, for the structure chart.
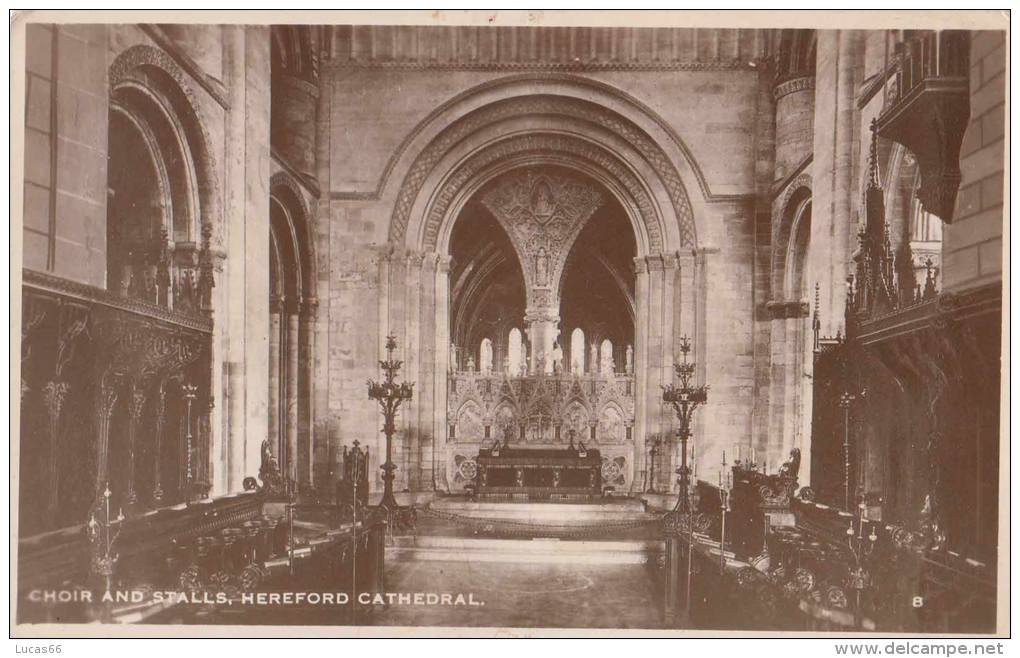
(685, 398)
(844, 402)
(102, 530)
(861, 547)
(725, 491)
(390, 395)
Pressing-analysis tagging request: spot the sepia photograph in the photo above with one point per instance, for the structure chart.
(542, 323)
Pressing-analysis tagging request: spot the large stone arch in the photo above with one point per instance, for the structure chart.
(582, 103)
(515, 124)
(155, 71)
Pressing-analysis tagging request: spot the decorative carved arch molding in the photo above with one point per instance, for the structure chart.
(293, 313)
(645, 175)
(146, 68)
(286, 191)
(575, 110)
(790, 212)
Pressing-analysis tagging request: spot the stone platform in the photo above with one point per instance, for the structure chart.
(610, 531)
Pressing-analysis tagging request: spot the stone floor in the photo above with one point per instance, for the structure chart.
(526, 595)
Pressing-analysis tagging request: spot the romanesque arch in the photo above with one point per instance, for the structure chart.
(293, 306)
(490, 133)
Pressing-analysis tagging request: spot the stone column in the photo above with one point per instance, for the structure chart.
(309, 313)
(293, 365)
(641, 361)
(833, 225)
(415, 286)
(443, 356)
(426, 391)
(668, 356)
(543, 326)
(276, 305)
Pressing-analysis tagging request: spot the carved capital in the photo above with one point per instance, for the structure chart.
(53, 397)
(787, 87)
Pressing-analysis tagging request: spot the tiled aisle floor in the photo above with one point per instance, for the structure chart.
(526, 595)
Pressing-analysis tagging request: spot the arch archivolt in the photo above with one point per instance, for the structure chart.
(154, 74)
(541, 148)
(617, 136)
(788, 209)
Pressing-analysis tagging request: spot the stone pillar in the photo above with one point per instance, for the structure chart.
(641, 361)
(543, 327)
(667, 357)
(443, 356)
(275, 331)
(291, 406)
(414, 284)
(833, 225)
(245, 55)
(309, 313)
(425, 384)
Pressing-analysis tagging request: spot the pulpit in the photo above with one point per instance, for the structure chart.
(539, 473)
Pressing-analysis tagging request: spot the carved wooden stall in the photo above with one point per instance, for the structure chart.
(906, 404)
(115, 391)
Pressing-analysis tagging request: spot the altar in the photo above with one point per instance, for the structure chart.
(521, 473)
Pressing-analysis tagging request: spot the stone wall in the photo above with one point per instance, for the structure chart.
(972, 244)
(65, 151)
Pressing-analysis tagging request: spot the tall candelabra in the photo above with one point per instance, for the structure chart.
(861, 546)
(103, 528)
(685, 399)
(844, 402)
(390, 396)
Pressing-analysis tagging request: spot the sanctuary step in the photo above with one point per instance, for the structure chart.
(614, 510)
(535, 550)
(611, 531)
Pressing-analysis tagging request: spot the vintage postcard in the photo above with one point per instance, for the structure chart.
(529, 323)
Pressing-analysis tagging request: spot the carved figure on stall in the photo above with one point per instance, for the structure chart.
(269, 471)
(630, 360)
(791, 467)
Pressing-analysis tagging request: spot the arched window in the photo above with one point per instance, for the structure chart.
(515, 352)
(485, 356)
(606, 364)
(577, 351)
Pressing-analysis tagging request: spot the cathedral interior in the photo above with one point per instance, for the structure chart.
(662, 328)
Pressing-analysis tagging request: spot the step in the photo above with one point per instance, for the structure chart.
(537, 550)
(546, 513)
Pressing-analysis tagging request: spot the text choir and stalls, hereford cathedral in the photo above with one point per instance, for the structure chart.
(719, 309)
